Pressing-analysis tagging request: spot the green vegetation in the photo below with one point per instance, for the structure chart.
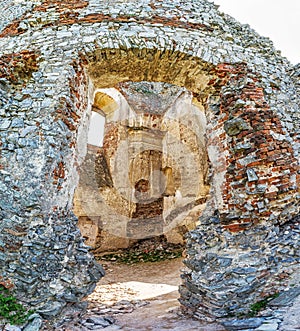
(147, 250)
(260, 305)
(10, 310)
(137, 257)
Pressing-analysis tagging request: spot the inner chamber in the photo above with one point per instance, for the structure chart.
(146, 171)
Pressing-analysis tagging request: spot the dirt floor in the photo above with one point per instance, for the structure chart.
(144, 297)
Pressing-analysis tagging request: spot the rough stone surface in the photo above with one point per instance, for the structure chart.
(244, 324)
(54, 57)
(286, 298)
(291, 320)
(35, 323)
(11, 328)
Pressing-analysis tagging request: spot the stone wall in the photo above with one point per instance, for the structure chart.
(55, 55)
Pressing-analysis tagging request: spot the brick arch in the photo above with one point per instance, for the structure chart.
(107, 67)
(241, 127)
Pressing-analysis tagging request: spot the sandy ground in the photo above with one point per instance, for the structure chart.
(153, 288)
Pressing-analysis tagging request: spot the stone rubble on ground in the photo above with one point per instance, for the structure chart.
(287, 318)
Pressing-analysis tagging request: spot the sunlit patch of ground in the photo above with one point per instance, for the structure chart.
(144, 297)
(113, 293)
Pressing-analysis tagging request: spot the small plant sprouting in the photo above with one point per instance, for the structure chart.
(10, 310)
(259, 305)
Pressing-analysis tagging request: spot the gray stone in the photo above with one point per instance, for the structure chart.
(4, 124)
(70, 297)
(251, 174)
(285, 298)
(17, 123)
(241, 147)
(245, 271)
(268, 326)
(27, 130)
(34, 324)
(103, 321)
(51, 309)
(225, 262)
(9, 327)
(250, 323)
(235, 126)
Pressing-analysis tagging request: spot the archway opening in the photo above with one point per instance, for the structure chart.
(162, 114)
(146, 186)
(150, 176)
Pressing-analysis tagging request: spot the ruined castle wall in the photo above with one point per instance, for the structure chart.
(55, 54)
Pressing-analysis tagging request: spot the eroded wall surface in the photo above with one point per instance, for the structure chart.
(55, 54)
